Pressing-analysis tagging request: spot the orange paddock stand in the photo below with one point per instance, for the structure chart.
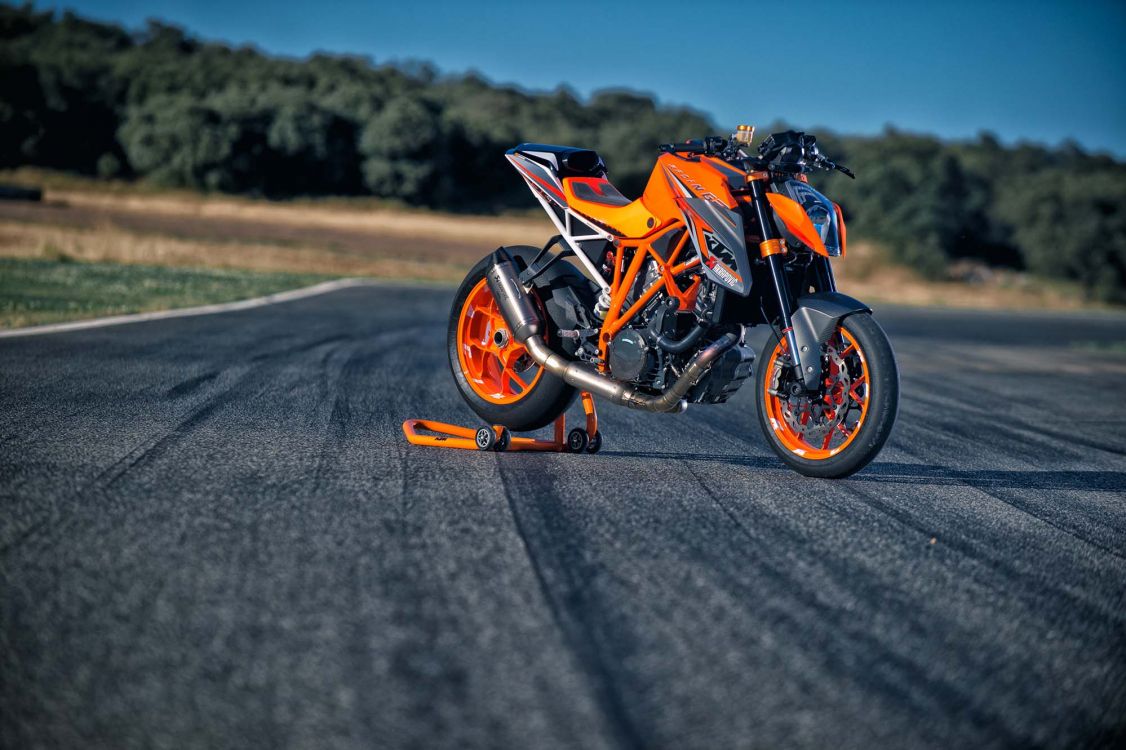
(499, 438)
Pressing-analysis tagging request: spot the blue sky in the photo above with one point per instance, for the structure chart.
(1041, 71)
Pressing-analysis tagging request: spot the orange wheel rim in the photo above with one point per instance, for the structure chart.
(497, 368)
(819, 428)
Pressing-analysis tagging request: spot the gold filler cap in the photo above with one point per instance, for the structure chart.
(744, 134)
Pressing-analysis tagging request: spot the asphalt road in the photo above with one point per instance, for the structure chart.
(214, 535)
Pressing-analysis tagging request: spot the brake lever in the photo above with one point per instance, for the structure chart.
(827, 164)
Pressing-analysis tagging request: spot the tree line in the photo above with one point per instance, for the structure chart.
(160, 105)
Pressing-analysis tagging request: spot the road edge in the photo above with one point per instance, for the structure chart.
(186, 312)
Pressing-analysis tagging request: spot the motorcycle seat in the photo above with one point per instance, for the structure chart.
(597, 199)
(586, 189)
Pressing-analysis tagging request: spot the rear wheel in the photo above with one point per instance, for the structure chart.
(840, 429)
(495, 374)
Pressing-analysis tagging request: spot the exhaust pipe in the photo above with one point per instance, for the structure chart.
(527, 327)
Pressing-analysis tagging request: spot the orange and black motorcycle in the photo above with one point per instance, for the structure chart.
(653, 312)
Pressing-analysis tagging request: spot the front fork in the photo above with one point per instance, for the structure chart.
(772, 249)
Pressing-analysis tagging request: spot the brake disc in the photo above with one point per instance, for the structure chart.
(816, 418)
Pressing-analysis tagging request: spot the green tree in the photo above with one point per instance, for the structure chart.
(1073, 226)
(161, 105)
(402, 147)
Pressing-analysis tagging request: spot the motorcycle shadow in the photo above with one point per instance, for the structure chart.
(916, 474)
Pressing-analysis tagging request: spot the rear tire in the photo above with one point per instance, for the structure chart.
(495, 398)
(870, 386)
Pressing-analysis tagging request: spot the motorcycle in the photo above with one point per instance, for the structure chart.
(653, 312)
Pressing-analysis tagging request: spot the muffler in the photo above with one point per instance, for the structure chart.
(526, 326)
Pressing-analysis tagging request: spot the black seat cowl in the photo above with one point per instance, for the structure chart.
(566, 160)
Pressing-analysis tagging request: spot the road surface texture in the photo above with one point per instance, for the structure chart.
(214, 535)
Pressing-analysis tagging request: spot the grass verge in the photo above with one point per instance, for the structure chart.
(51, 291)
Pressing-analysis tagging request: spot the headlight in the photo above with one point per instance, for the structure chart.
(820, 211)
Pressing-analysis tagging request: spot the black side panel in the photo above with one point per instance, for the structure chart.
(758, 308)
(665, 243)
(608, 196)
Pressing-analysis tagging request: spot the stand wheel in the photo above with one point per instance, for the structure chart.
(577, 440)
(595, 443)
(486, 439)
(504, 439)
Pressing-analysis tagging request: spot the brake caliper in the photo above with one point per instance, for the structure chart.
(815, 417)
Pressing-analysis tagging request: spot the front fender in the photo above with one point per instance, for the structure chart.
(815, 318)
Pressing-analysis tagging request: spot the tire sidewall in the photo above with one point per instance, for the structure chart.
(883, 406)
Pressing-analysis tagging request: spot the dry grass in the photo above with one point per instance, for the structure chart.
(865, 275)
(406, 224)
(113, 245)
(370, 239)
(256, 235)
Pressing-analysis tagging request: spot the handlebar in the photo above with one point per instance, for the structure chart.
(685, 148)
(729, 150)
(712, 145)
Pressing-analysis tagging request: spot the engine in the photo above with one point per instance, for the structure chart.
(635, 355)
(645, 352)
(634, 358)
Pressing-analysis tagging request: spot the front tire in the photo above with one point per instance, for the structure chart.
(838, 431)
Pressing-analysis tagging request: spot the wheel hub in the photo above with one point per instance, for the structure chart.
(496, 366)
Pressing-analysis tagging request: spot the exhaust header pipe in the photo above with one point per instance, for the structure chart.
(527, 327)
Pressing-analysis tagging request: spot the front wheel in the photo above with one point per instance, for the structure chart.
(839, 430)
